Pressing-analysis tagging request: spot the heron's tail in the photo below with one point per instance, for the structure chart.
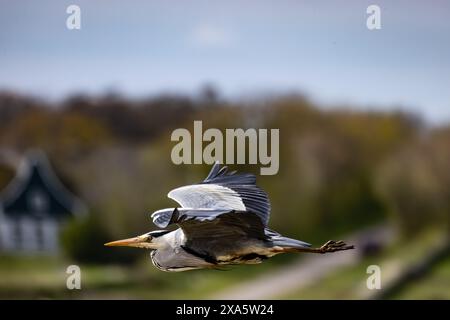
(280, 241)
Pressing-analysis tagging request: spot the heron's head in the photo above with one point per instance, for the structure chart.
(148, 240)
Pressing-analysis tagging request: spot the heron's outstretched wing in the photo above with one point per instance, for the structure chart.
(223, 190)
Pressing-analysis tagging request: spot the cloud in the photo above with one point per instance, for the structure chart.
(208, 36)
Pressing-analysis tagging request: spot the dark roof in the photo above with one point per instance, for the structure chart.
(36, 191)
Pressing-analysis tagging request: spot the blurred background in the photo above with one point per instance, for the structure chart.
(86, 117)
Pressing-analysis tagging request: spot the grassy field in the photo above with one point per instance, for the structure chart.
(45, 278)
(434, 285)
(350, 282)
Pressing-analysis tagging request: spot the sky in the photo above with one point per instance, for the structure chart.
(322, 49)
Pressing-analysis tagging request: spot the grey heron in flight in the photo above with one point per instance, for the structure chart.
(222, 221)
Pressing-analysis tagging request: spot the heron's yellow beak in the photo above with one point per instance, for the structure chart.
(143, 241)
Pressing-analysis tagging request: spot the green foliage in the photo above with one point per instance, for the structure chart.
(340, 169)
(415, 182)
(83, 240)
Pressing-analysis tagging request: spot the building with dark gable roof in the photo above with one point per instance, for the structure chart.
(33, 207)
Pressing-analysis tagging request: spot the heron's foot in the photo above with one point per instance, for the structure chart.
(333, 246)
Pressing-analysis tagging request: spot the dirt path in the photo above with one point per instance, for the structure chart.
(306, 271)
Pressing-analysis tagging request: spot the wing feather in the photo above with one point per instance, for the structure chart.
(224, 190)
(164, 218)
(211, 196)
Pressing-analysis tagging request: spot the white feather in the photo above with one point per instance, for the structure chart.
(207, 196)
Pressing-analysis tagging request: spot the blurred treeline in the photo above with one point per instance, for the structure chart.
(340, 169)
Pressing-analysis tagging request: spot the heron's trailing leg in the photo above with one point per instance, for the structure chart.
(329, 246)
(333, 246)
